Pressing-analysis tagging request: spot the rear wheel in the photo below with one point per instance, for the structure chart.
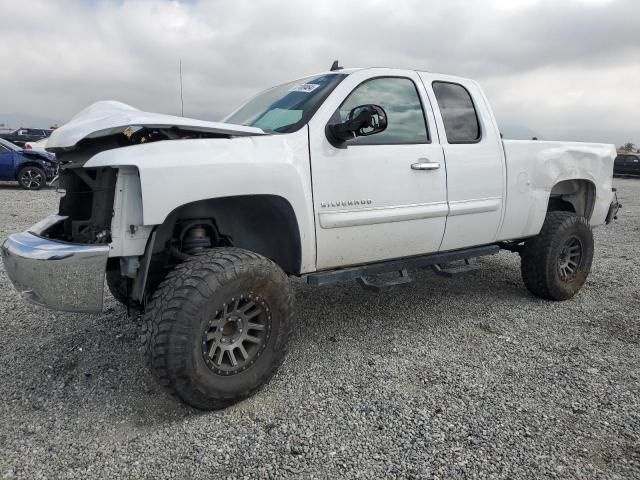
(555, 263)
(31, 178)
(217, 327)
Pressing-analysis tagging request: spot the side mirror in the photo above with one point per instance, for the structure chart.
(362, 121)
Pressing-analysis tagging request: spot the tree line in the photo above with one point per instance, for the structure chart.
(628, 147)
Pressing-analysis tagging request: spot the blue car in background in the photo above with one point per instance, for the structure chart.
(30, 168)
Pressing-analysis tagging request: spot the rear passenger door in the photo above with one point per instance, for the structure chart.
(474, 158)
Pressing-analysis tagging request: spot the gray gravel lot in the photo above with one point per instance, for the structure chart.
(463, 377)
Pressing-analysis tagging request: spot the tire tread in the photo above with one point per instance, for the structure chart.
(535, 268)
(164, 321)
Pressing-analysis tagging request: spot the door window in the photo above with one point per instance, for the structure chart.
(458, 112)
(399, 99)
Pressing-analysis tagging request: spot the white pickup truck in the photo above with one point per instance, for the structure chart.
(340, 176)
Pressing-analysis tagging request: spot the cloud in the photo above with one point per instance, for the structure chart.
(564, 70)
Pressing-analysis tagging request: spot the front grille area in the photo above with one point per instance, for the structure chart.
(88, 204)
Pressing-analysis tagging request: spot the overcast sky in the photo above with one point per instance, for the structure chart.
(557, 69)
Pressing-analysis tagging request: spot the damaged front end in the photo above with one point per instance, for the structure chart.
(58, 275)
(61, 262)
(90, 193)
(87, 206)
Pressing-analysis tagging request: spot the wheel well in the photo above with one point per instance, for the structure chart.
(28, 164)
(265, 224)
(576, 196)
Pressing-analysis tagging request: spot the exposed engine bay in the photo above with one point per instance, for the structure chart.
(89, 193)
(87, 204)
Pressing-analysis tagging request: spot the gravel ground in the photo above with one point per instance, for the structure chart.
(463, 377)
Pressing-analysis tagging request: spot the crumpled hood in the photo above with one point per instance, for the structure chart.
(110, 117)
(39, 155)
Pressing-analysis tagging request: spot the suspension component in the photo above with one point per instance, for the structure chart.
(195, 235)
(196, 240)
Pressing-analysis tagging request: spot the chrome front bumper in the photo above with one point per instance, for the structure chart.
(58, 275)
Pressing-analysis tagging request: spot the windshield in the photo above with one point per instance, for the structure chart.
(10, 145)
(287, 107)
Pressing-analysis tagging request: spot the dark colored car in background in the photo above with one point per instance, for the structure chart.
(627, 164)
(30, 168)
(22, 135)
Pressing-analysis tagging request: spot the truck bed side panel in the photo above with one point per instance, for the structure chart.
(534, 168)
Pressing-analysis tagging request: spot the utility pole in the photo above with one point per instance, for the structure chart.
(181, 98)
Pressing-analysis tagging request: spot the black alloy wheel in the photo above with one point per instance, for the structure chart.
(569, 259)
(31, 178)
(237, 334)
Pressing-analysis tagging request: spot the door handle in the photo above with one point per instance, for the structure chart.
(424, 164)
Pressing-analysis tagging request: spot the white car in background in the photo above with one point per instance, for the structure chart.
(40, 145)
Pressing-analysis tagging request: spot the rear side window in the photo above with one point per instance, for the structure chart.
(458, 112)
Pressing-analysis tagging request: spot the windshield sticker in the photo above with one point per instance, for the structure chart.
(304, 87)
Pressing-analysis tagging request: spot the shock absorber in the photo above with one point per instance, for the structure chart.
(196, 240)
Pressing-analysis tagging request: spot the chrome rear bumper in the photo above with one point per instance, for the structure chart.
(58, 275)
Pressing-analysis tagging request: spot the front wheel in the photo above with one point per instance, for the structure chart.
(217, 327)
(31, 178)
(119, 286)
(555, 263)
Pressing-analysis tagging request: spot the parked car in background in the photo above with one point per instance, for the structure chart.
(39, 146)
(30, 168)
(21, 136)
(627, 164)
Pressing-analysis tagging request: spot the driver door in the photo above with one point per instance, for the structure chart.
(373, 197)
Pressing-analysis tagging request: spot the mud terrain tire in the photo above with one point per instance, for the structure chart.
(217, 327)
(555, 263)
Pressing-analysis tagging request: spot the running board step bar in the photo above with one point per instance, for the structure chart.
(410, 263)
(375, 286)
(453, 270)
